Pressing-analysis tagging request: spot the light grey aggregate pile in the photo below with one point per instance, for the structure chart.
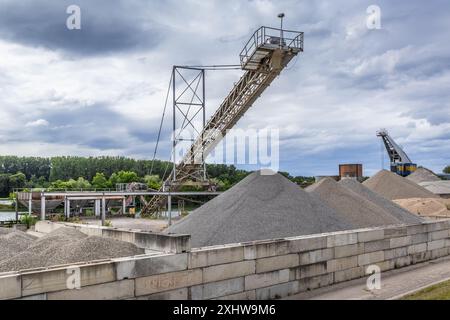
(393, 187)
(13, 242)
(259, 207)
(65, 246)
(389, 206)
(423, 175)
(358, 210)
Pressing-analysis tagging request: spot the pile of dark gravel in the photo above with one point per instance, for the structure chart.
(13, 242)
(259, 207)
(360, 211)
(387, 205)
(392, 186)
(66, 246)
(423, 175)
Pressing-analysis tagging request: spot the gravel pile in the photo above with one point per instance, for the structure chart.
(386, 204)
(65, 246)
(422, 175)
(360, 211)
(392, 186)
(13, 242)
(259, 207)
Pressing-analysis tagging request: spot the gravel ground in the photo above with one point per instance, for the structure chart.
(423, 175)
(65, 246)
(259, 207)
(13, 242)
(385, 204)
(357, 209)
(392, 186)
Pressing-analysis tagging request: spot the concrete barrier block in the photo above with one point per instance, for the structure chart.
(437, 225)
(395, 253)
(415, 229)
(342, 264)
(315, 282)
(307, 243)
(402, 261)
(277, 291)
(370, 258)
(417, 248)
(349, 250)
(316, 256)
(438, 235)
(107, 291)
(437, 244)
(277, 263)
(348, 274)
(267, 279)
(130, 268)
(36, 297)
(246, 295)
(438, 253)
(342, 239)
(42, 281)
(228, 271)
(377, 245)
(311, 270)
(168, 281)
(177, 294)
(265, 249)
(217, 289)
(400, 242)
(210, 257)
(419, 238)
(421, 257)
(386, 265)
(10, 286)
(370, 235)
(393, 232)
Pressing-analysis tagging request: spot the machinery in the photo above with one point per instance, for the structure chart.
(266, 54)
(400, 162)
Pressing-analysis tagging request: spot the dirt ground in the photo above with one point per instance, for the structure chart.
(426, 207)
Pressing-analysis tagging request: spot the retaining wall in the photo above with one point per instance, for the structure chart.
(257, 270)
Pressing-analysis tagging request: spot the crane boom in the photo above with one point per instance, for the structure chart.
(265, 55)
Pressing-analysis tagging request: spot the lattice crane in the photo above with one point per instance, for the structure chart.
(266, 54)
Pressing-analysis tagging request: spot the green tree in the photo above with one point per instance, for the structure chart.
(123, 177)
(447, 169)
(99, 181)
(153, 182)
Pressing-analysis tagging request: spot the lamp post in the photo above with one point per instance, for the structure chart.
(281, 16)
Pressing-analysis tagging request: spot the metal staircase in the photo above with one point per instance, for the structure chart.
(265, 55)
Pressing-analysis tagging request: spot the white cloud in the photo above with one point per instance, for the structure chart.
(37, 123)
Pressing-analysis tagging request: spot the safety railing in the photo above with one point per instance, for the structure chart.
(271, 38)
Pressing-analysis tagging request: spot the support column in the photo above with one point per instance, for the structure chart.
(169, 209)
(97, 207)
(30, 203)
(17, 207)
(68, 208)
(103, 211)
(42, 208)
(124, 205)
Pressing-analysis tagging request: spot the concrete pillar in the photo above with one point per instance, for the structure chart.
(42, 208)
(124, 205)
(169, 209)
(97, 207)
(30, 203)
(68, 208)
(103, 211)
(17, 207)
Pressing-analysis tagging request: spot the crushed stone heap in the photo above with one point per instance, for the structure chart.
(66, 246)
(423, 175)
(259, 207)
(389, 206)
(392, 186)
(360, 211)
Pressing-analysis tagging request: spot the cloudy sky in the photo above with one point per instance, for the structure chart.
(100, 90)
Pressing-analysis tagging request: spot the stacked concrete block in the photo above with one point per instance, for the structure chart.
(258, 270)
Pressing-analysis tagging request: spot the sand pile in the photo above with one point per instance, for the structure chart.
(387, 205)
(65, 246)
(13, 242)
(392, 186)
(259, 207)
(423, 175)
(360, 211)
(426, 207)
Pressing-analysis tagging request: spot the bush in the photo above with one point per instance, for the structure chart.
(28, 220)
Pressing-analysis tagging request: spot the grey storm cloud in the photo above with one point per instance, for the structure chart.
(104, 26)
(349, 82)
